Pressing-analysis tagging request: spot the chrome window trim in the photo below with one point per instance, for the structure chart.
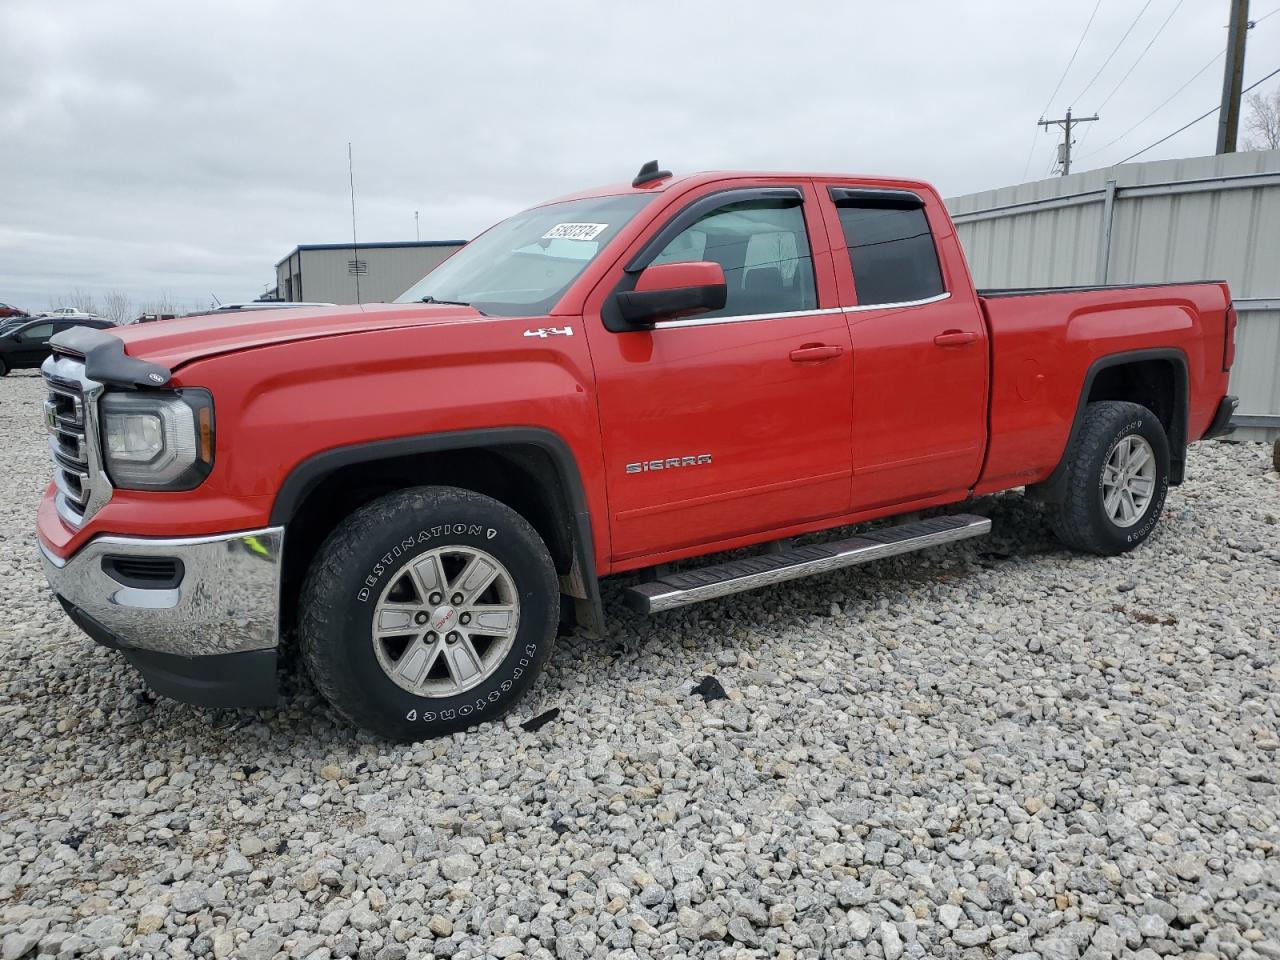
(747, 317)
(936, 298)
(743, 318)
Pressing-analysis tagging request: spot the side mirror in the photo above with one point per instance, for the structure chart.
(668, 291)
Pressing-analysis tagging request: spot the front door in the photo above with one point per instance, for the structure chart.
(729, 423)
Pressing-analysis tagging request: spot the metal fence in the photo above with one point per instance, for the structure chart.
(1214, 218)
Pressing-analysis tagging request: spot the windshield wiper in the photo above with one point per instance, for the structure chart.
(452, 303)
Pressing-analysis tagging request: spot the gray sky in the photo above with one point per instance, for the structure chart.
(186, 147)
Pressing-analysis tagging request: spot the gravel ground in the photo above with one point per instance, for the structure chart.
(996, 749)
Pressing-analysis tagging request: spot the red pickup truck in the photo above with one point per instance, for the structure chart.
(425, 492)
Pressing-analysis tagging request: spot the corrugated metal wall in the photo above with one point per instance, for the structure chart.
(1214, 218)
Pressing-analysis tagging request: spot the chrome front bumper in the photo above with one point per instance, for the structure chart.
(225, 600)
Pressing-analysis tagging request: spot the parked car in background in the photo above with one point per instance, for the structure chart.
(70, 313)
(25, 343)
(153, 317)
(9, 310)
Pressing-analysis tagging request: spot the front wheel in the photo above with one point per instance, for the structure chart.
(428, 611)
(1117, 479)
(4, 367)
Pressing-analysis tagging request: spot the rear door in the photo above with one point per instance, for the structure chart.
(919, 346)
(734, 422)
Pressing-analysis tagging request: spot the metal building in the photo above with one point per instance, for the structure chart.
(328, 272)
(1202, 218)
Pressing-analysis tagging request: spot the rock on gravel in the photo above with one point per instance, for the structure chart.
(998, 749)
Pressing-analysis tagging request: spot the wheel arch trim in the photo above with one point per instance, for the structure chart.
(307, 475)
(1053, 488)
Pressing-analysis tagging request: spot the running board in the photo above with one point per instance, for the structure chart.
(722, 579)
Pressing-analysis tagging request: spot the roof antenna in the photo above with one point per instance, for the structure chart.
(650, 173)
(355, 252)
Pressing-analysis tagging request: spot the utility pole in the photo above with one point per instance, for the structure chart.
(1233, 77)
(1066, 123)
(416, 234)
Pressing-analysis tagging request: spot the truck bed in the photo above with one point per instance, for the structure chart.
(1049, 343)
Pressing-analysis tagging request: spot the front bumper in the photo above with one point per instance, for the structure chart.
(198, 617)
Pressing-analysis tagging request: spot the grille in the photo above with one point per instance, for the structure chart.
(71, 422)
(64, 416)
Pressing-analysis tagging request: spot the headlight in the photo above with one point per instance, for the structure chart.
(157, 441)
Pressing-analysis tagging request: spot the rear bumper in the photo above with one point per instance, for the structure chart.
(1221, 424)
(206, 633)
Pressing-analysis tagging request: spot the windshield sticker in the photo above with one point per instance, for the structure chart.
(575, 231)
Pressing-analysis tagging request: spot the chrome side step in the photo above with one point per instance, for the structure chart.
(722, 579)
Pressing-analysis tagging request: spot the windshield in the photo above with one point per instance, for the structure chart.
(524, 265)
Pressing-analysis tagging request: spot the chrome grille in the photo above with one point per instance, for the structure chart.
(70, 416)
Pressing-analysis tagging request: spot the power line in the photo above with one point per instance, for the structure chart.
(1141, 55)
(1164, 103)
(1067, 69)
(1216, 57)
(1031, 154)
(1074, 53)
(1112, 54)
(1199, 118)
(1116, 88)
(1035, 142)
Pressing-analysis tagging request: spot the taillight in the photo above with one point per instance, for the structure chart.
(1229, 351)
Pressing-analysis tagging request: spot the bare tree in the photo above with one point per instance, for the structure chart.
(117, 307)
(78, 298)
(1264, 121)
(164, 303)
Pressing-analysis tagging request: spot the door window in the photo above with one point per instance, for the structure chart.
(891, 251)
(763, 249)
(41, 331)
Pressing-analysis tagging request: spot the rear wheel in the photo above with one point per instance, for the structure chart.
(4, 367)
(1117, 479)
(427, 611)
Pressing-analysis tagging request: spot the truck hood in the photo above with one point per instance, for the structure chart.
(172, 343)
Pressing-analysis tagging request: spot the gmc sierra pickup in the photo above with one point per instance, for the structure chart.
(424, 492)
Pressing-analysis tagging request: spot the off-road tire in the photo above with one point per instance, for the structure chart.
(1081, 520)
(353, 567)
